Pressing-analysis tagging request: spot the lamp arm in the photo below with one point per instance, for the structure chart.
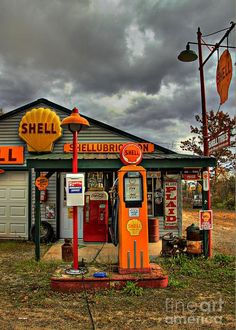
(218, 44)
(212, 45)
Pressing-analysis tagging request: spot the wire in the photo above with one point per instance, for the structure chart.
(88, 306)
(210, 34)
(218, 109)
(98, 253)
(207, 45)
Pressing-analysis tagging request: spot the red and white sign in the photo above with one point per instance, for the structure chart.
(131, 154)
(75, 187)
(191, 174)
(220, 141)
(206, 220)
(191, 177)
(170, 189)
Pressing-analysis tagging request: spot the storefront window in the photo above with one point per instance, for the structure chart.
(154, 194)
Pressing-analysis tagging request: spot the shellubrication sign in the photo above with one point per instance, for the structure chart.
(75, 189)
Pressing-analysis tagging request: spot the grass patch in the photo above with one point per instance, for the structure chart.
(31, 266)
(26, 293)
(183, 270)
(11, 245)
(176, 283)
(131, 288)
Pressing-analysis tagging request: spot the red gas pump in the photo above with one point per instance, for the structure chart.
(95, 227)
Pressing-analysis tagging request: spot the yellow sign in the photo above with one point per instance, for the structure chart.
(224, 75)
(40, 128)
(106, 147)
(41, 182)
(134, 227)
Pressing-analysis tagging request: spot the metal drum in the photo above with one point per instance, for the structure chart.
(153, 230)
(194, 239)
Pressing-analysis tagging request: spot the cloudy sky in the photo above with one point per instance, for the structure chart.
(114, 59)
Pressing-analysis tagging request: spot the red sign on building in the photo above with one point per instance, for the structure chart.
(191, 177)
(170, 204)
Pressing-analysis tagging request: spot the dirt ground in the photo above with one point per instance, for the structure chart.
(27, 302)
(224, 229)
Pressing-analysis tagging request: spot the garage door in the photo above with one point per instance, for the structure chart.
(13, 205)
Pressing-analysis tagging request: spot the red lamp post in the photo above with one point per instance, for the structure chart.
(190, 56)
(74, 124)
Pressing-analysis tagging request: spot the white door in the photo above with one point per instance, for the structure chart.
(66, 225)
(14, 204)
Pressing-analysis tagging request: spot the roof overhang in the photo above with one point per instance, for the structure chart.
(112, 161)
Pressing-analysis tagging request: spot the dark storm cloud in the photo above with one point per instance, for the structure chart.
(90, 45)
(152, 111)
(105, 48)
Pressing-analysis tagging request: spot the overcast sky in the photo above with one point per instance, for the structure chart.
(116, 60)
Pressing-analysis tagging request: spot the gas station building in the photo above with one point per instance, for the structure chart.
(24, 152)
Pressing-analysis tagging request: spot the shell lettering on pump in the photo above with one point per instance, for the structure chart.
(134, 227)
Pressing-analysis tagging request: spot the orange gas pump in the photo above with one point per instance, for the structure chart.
(95, 227)
(133, 218)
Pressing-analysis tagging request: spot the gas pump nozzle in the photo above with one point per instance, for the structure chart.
(113, 229)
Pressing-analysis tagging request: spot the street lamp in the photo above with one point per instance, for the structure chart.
(74, 124)
(189, 56)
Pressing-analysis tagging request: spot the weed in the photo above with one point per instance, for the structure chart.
(132, 289)
(173, 282)
(223, 259)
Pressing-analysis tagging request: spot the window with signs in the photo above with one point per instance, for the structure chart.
(154, 194)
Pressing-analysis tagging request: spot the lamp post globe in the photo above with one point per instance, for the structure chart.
(74, 122)
(187, 55)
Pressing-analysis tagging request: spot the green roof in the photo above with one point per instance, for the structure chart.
(112, 161)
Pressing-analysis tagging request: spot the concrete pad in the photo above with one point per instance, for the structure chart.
(102, 253)
(64, 282)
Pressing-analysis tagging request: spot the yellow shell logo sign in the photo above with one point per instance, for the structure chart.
(40, 128)
(134, 227)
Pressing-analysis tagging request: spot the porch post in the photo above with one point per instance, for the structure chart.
(37, 220)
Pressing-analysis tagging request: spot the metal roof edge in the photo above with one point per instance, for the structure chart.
(94, 121)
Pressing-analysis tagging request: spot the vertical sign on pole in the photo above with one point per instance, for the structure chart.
(205, 177)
